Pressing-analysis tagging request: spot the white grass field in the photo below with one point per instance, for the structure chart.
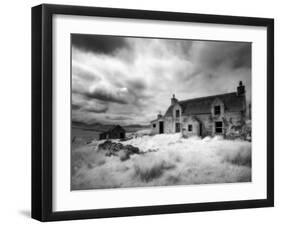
(166, 159)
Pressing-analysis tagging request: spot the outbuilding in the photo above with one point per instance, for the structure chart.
(114, 132)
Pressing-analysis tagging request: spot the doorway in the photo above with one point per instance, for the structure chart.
(178, 127)
(161, 127)
(122, 135)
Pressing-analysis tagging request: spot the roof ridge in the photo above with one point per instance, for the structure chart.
(212, 96)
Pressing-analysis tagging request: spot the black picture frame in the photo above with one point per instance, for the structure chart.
(42, 107)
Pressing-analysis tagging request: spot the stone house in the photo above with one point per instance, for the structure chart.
(205, 116)
(114, 132)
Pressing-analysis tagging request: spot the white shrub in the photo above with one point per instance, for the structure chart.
(166, 159)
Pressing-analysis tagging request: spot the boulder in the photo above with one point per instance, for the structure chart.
(118, 149)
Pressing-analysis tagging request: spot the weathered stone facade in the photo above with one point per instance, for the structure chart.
(223, 114)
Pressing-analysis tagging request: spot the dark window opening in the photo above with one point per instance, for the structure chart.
(189, 128)
(178, 127)
(217, 110)
(154, 125)
(177, 113)
(218, 127)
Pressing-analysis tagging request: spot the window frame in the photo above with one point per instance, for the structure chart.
(215, 109)
(177, 113)
(218, 127)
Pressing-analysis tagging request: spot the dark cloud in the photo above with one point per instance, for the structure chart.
(212, 55)
(179, 47)
(138, 89)
(243, 57)
(107, 96)
(75, 106)
(90, 107)
(98, 43)
(137, 85)
(95, 109)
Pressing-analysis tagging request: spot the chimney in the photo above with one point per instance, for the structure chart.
(240, 89)
(174, 100)
(159, 115)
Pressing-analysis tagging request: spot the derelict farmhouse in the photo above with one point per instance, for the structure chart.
(205, 116)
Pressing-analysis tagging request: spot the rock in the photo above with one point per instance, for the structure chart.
(131, 149)
(105, 145)
(118, 149)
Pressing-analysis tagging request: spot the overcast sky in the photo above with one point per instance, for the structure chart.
(120, 80)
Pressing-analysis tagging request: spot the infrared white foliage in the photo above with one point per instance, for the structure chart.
(166, 159)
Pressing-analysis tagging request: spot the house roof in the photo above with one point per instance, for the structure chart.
(202, 105)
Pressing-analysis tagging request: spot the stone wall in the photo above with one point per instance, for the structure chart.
(169, 125)
(207, 124)
(154, 130)
(204, 124)
(194, 123)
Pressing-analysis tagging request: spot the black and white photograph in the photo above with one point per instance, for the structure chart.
(140, 112)
(159, 112)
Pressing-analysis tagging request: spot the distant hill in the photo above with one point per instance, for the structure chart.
(98, 127)
(134, 128)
